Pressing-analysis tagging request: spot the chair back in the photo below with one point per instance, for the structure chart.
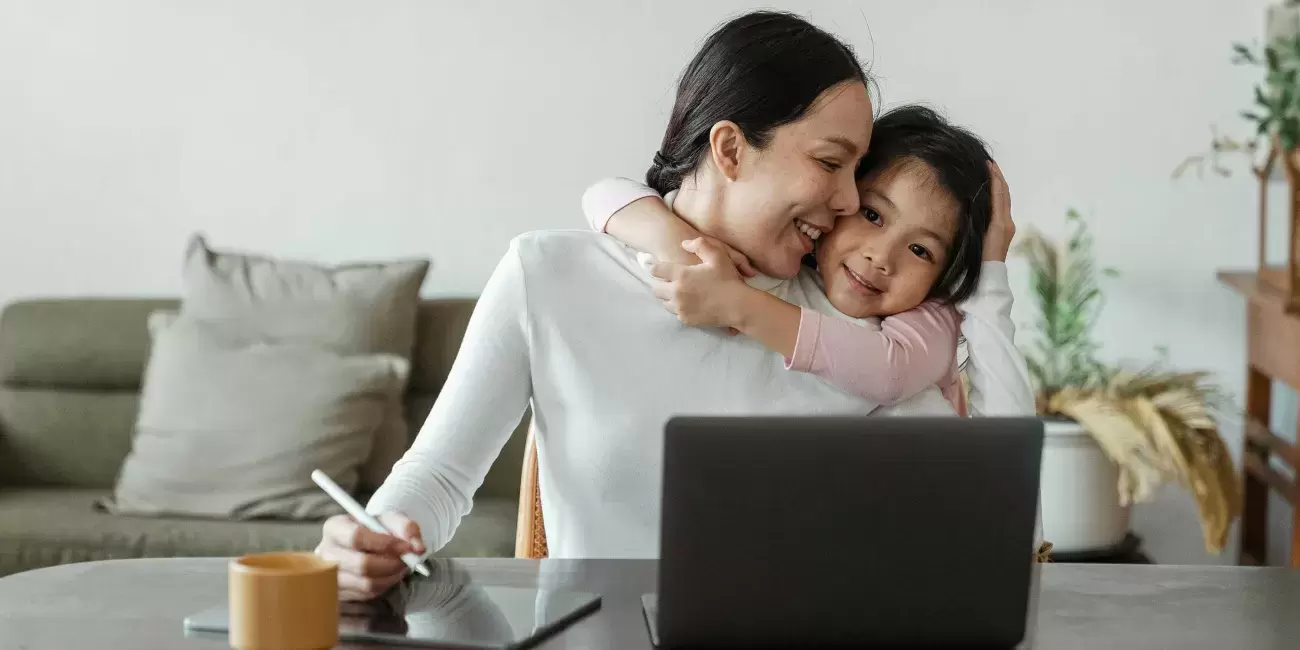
(530, 532)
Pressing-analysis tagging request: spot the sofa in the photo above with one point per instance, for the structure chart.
(70, 375)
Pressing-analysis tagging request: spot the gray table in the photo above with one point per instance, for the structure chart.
(139, 604)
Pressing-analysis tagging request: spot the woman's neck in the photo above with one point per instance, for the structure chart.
(699, 207)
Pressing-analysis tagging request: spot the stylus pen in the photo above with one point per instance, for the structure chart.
(344, 499)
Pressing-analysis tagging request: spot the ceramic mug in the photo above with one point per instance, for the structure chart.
(285, 601)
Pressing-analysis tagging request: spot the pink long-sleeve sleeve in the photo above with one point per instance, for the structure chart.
(911, 351)
(607, 196)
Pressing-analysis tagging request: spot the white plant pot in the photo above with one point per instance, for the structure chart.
(1081, 510)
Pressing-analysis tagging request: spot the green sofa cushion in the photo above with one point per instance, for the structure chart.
(85, 344)
(76, 438)
(47, 526)
(103, 343)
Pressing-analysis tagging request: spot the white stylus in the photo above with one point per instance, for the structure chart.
(344, 499)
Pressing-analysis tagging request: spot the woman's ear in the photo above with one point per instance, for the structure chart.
(726, 146)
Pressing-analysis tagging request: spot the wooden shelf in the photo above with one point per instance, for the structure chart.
(1267, 287)
(1245, 283)
(1272, 354)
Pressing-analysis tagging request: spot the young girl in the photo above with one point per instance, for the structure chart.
(914, 251)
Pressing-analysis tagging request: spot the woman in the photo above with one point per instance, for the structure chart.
(778, 114)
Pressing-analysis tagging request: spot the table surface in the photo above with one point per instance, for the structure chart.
(141, 604)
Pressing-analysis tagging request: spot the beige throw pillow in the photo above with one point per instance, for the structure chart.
(231, 426)
(360, 308)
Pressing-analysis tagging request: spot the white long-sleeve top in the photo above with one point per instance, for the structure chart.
(568, 322)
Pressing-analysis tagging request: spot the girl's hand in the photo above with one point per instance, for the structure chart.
(688, 257)
(742, 263)
(707, 294)
(997, 241)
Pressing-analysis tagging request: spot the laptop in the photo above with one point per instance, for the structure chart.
(846, 531)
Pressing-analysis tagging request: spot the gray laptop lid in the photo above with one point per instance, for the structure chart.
(903, 532)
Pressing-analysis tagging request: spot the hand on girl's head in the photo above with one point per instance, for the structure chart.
(997, 241)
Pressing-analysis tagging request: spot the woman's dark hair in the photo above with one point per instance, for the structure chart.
(761, 70)
(959, 161)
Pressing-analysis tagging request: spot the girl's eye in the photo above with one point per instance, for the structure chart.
(830, 165)
(920, 252)
(871, 215)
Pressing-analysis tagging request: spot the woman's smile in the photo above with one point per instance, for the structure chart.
(807, 234)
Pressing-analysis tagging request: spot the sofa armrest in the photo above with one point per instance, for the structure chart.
(4, 448)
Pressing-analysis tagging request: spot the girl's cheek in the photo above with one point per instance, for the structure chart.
(821, 251)
(923, 279)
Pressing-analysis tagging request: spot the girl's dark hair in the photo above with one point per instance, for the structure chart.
(959, 161)
(761, 70)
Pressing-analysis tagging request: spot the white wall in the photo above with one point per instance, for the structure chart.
(334, 130)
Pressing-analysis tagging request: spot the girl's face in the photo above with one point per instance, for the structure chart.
(886, 259)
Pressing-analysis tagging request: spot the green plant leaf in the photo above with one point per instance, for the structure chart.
(1261, 99)
(1271, 56)
(1242, 54)
(1063, 280)
(1274, 78)
(1289, 132)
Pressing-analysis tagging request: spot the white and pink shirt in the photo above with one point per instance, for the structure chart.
(884, 360)
(568, 327)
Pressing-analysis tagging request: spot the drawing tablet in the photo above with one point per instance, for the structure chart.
(423, 612)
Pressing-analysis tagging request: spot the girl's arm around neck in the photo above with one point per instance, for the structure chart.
(911, 351)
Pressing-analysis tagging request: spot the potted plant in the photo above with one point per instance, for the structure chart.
(1113, 434)
(1272, 151)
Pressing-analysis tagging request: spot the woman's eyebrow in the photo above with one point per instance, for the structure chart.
(842, 141)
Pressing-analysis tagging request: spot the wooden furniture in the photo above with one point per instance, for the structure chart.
(1282, 280)
(1272, 354)
(130, 604)
(530, 531)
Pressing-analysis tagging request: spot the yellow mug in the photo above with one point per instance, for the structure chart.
(283, 601)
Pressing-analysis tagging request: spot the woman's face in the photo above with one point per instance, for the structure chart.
(886, 259)
(784, 196)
